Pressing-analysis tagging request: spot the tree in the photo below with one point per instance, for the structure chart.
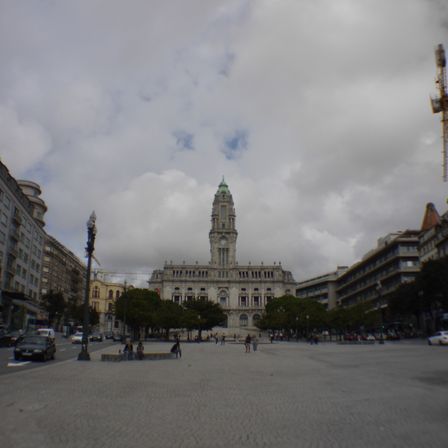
(406, 301)
(433, 279)
(168, 315)
(137, 307)
(55, 304)
(293, 315)
(427, 295)
(76, 312)
(354, 318)
(208, 315)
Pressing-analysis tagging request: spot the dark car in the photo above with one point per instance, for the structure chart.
(96, 337)
(35, 347)
(109, 335)
(8, 339)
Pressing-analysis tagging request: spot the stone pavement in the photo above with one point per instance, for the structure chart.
(284, 395)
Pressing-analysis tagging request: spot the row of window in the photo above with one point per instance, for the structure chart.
(203, 289)
(96, 306)
(256, 274)
(223, 274)
(243, 301)
(374, 262)
(190, 273)
(110, 293)
(244, 319)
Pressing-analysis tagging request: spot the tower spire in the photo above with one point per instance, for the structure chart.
(223, 234)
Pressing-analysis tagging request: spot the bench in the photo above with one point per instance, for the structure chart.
(117, 357)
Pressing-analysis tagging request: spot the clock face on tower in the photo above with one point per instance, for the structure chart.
(222, 241)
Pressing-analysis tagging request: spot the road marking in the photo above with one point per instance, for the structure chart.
(62, 349)
(18, 363)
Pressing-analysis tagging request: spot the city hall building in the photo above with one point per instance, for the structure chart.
(242, 291)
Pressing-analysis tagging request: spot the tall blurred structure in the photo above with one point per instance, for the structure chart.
(440, 104)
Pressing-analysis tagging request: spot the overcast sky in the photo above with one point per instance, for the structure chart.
(316, 112)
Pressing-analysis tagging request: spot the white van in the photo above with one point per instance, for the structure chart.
(48, 332)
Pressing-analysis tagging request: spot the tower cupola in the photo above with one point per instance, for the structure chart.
(223, 234)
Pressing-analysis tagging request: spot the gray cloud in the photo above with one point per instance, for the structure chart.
(316, 112)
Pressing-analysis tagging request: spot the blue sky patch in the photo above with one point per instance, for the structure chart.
(235, 144)
(184, 140)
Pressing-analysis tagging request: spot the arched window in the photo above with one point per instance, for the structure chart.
(223, 297)
(111, 294)
(117, 294)
(256, 318)
(96, 292)
(244, 321)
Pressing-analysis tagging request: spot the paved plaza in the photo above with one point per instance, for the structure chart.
(283, 395)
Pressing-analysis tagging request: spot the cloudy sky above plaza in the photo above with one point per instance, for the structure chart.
(316, 112)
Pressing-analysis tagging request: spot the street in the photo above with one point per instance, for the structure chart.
(64, 350)
(283, 395)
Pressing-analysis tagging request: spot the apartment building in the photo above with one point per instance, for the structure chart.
(62, 271)
(22, 240)
(322, 288)
(382, 270)
(433, 239)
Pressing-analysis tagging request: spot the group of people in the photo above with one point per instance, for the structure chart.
(128, 351)
(248, 341)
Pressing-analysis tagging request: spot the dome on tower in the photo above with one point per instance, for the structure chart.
(223, 187)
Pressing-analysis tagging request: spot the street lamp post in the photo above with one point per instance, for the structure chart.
(297, 328)
(307, 325)
(91, 232)
(125, 299)
(380, 299)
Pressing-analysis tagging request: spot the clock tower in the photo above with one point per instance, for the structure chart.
(223, 234)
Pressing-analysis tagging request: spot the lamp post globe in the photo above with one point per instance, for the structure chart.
(91, 233)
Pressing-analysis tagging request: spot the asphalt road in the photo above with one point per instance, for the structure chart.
(64, 350)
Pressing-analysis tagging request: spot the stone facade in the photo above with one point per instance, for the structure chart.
(241, 290)
(21, 251)
(433, 238)
(103, 295)
(21, 239)
(63, 272)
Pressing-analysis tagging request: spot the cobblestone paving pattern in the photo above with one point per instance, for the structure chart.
(283, 395)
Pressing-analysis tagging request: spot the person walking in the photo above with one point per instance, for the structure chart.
(140, 350)
(254, 343)
(128, 351)
(176, 348)
(247, 342)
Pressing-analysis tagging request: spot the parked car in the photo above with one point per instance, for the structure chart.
(35, 347)
(116, 337)
(76, 338)
(109, 335)
(96, 337)
(368, 337)
(121, 338)
(16, 336)
(47, 332)
(441, 338)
